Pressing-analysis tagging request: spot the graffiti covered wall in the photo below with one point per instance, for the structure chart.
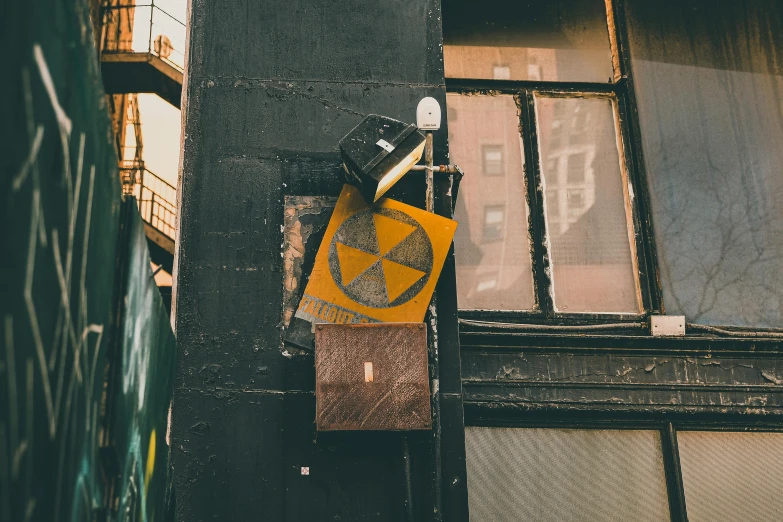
(140, 389)
(60, 192)
(60, 279)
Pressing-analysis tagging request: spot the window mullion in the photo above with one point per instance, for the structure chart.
(535, 196)
(671, 462)
(645, 265)
(632, 138)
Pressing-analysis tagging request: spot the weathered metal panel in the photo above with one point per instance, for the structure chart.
(305, 219)
(537, 378)
(378, 264)
(372, 377)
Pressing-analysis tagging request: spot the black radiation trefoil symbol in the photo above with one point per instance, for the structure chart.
(380, 257)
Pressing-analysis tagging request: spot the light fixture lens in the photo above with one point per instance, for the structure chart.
(398, 171)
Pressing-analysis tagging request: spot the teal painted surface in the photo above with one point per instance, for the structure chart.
(60, 207)
(62, 279)
(144, 382)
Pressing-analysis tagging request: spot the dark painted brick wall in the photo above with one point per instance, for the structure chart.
(271, 88)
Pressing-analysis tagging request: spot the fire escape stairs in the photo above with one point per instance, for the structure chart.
(155, 197)
(137, 53)
(135, 72)
(137, 56)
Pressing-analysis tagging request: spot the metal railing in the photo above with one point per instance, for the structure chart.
(156, 198)
(144, 29)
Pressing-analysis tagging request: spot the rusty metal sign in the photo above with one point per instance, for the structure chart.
(372, 377)
(376, 263)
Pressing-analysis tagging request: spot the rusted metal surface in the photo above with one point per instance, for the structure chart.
(372, 377)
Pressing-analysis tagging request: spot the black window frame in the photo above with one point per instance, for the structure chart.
(621, 91)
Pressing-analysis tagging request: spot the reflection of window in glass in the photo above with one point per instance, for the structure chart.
(555, 138)
(553, 203)
(576, 167)
(494, 222)
(501, 72)
(583, 241)
(493, 159)
(593, 256)
(486, 282)
(576, 201)
(490, 120)
(580, 122)
(533, 72)
(560, 40)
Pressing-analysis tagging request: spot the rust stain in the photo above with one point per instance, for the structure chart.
(372, 377)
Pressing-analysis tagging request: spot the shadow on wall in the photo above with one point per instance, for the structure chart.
(88, 357)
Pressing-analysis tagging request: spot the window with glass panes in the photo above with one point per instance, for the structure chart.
(648, 473)
(542, 106)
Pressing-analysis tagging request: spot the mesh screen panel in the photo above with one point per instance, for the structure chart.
(732, 476)
(534, 474)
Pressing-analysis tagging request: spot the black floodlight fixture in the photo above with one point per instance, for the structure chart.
(378, 152)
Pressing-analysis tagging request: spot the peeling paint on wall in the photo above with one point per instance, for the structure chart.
(304, 217)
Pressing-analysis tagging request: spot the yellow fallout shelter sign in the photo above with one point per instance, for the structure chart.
(376, 263)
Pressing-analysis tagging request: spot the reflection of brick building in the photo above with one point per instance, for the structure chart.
(494, 267)
(582, 185)
(568, 163)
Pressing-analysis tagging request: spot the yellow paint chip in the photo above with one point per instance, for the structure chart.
(150, 461)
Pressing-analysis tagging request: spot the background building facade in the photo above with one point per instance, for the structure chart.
(622, 160)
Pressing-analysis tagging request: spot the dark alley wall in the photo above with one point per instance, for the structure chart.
(272, 86)
(61, 206)
(71, 255)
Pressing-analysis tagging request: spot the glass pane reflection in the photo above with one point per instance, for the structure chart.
(492, 243)
(564, 40)
(732, 476)
(709, 85)
(565, 475)
(591, 251)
